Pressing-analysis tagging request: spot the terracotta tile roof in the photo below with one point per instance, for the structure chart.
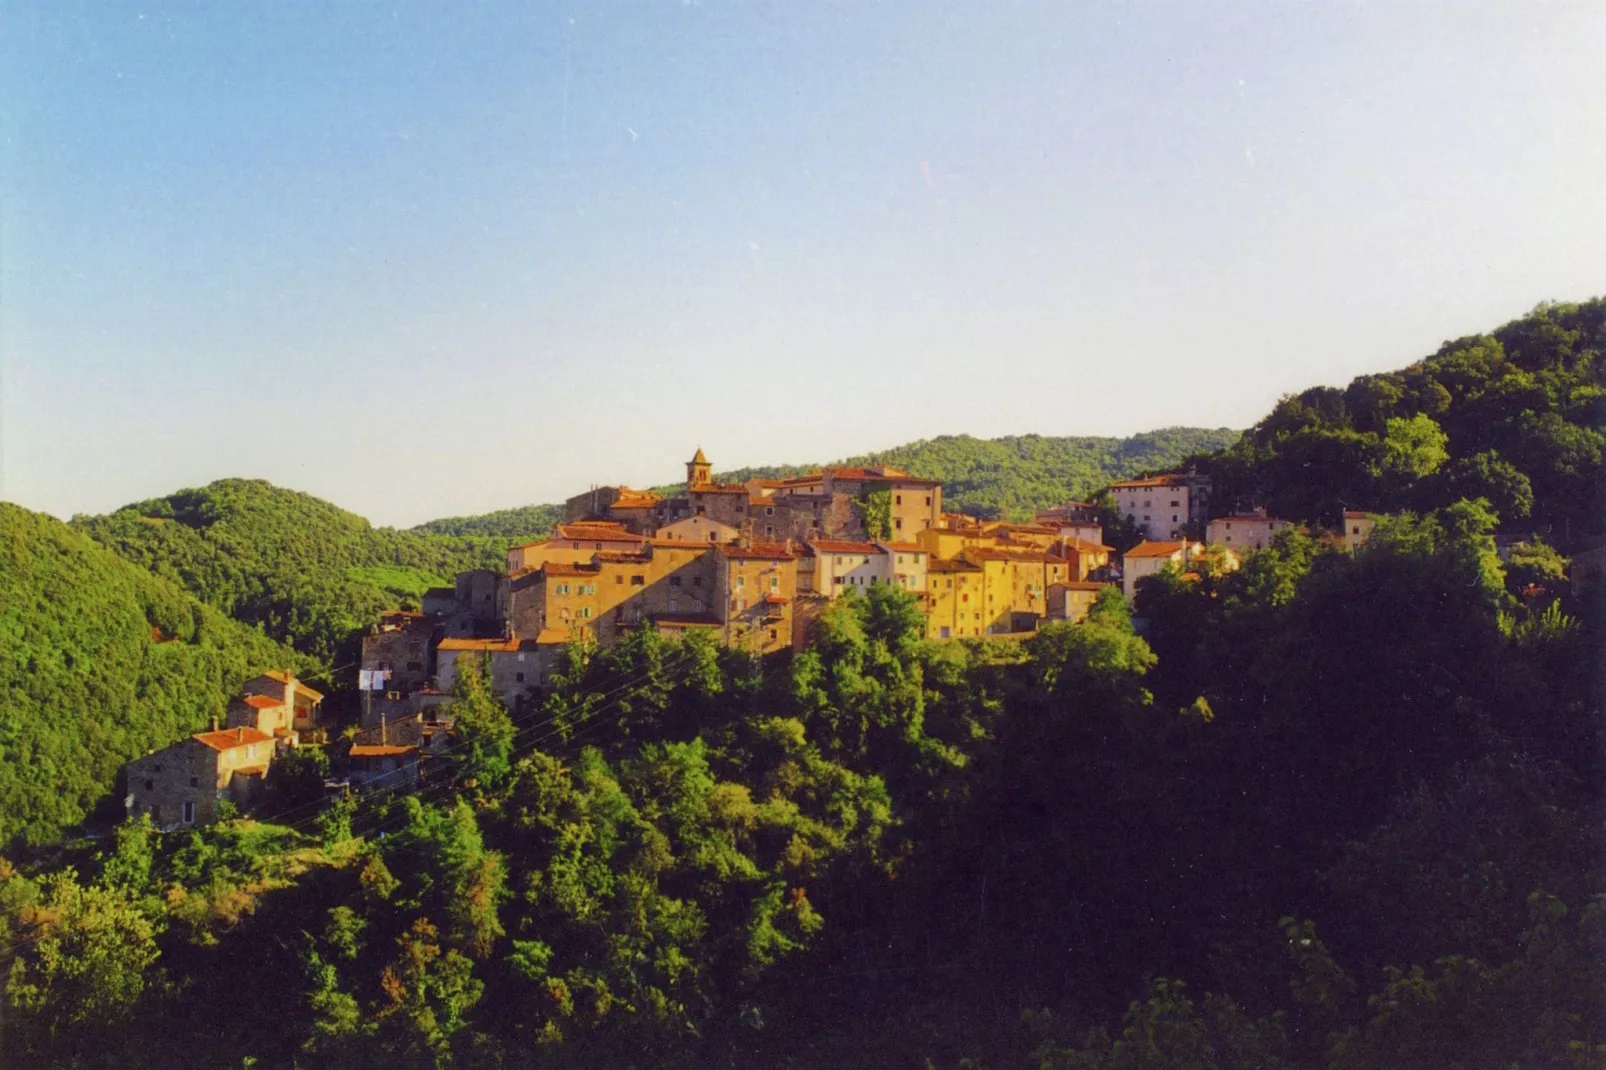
(1171, 480)
(381, 751)
(843, 546)
(251, 770)
(597, 531)
(1355, 514)
(564, 568)
(764, 501)
(776, 599)
(1250, 518)
(956, 565)
(614, 557)
(286, 678)
(698, 458)
(501, 646)
(756, 481)
(635, 499)
(1002, 553)
(1082, 546)
(229, 738)
(262, 702)
(1155, 549)
(764, 551)
(906, 547)
(683, 544)
(720, 488)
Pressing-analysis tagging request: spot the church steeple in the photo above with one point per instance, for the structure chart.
(698, 470)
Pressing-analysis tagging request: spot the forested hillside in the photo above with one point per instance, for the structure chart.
(1517, 417)
(512, 525)
(99, 662)
(309, 573)
(1330, 811)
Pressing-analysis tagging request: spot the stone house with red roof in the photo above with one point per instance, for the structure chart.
(181, 784)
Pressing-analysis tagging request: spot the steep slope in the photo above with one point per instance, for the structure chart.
(308, 572)
(1517, 417)
(99, 662)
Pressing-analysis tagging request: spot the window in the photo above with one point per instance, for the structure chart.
(563, 588)
(518, 677)
(674, 581)
(619, 580)
(741, 581)
(769, 532)
(897, 499)
(1176, 505)
(415, 666)
(195, 781)
(775, 583)
(696, 581)
(839, 560)
(585, 611)
(964, 598)
(928, 499)
(697, 605)
(637, 581)
(773, 635)
(945, 632)
(150, 785)
(897, 523)
(187, 813)
(712, 537)
(674, 606)
(900, 559)
(589, 588)
(837, 580)
(565, 613)
(769, 510)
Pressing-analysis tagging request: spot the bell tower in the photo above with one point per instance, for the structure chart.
(698, 471)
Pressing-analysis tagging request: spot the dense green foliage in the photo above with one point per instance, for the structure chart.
(309, 573)
(1517, 417)
(525, 523)
(99, 662)
(1330, 810)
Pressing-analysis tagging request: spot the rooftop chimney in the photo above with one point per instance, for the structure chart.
(214, 722)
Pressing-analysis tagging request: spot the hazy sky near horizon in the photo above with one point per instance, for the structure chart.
(426, 260)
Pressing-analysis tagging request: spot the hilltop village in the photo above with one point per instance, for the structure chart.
(752, 564)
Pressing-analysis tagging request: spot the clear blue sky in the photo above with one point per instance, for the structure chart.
(433, 259)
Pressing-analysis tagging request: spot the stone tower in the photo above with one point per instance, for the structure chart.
(698, 471)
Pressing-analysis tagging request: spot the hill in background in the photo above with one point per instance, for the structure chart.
(310, 573)
(100, 661)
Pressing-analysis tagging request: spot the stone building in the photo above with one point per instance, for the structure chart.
(181, 784)
(1072, 599)
(1244, 531)
(1148, 558)
(400, 644)
(304, 702)
(755, 587)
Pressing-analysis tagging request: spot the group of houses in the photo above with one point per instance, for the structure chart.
(752, 564)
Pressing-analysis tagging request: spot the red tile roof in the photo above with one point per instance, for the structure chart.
(262, 702)
(381, 751)
(501, 646)
(764, 551)
(564, 568)
(286, 678)
(616, 558)
(843, 546)
(597, 532)
(906, 547)
(229, 738)
(1171, 480)
(776, 599)
(720, 488)
(956, 565)
(1155, 549)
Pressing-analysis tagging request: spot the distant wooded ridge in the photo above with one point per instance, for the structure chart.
(1008, 478)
